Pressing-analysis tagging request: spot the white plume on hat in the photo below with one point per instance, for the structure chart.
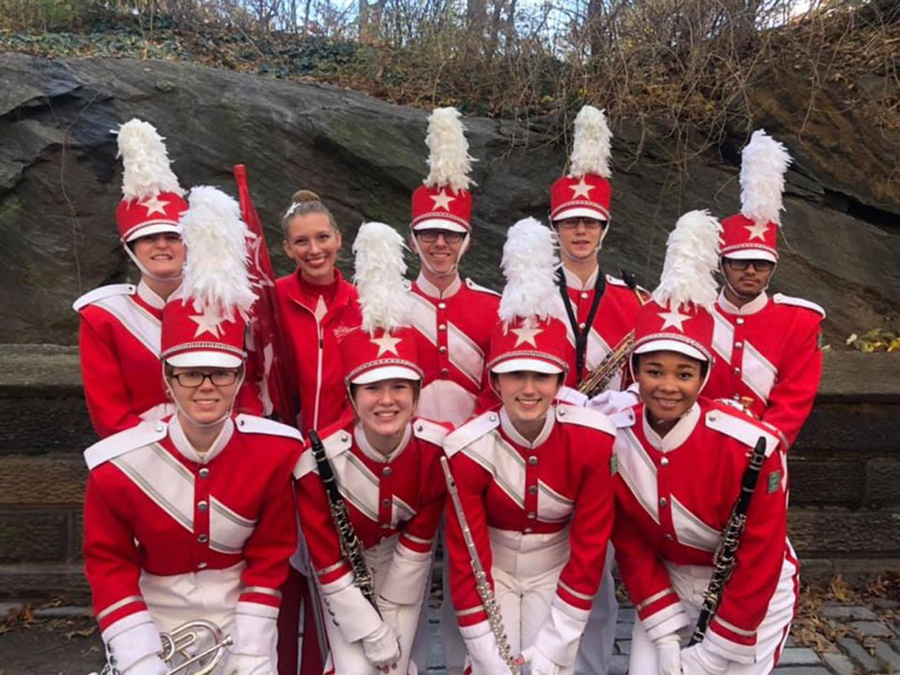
(764, 161)
(379, 277)
(146, 161)
(215, 274)
(688, 276)
(529, 264)
(592, 145)
(449, 161)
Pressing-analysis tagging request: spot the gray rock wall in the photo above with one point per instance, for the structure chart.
(60, 181)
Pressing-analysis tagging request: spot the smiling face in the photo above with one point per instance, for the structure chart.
(579, 238)
(313, 244)
(161, 254)
(669, 384)
(749, 282)
(527, 396)
(385, 408)
(440, 254)
(205, 403)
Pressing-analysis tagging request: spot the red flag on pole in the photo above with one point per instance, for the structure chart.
(268, 355)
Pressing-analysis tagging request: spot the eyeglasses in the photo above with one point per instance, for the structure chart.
(219, 378)
(758, 265)
(573, 223)
(431, 236)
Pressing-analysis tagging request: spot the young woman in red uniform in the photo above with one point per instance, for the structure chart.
(386, 466)
(681, 460)
(534, 483)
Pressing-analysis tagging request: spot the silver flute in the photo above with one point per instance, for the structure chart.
(485, 592)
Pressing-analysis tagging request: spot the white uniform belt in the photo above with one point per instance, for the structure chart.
(378, 557)
(689, 581)
(527, 555)
(177, 598)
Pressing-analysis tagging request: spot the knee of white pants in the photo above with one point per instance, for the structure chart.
(643, 660)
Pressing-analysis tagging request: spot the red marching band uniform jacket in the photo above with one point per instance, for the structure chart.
(187, 536)
(564, 481)
(674, 496)
(313, 333)
(454, 330)
(768, 358)
(613, 320)
(401, 495)
(119, 347)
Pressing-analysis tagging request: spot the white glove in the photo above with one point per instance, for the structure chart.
(668, 650)
(698, 660)
(484, 656)
(248, 664)
(611, 402)
(382, 647)
(541, 664)
(149, 665)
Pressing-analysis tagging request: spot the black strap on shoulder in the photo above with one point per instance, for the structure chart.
(581, 336)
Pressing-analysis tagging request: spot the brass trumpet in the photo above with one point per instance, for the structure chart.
(177, 645)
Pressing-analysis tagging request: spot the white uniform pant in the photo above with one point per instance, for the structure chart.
(526, 573)
(690, 581)
(599, 640)
(348, 658)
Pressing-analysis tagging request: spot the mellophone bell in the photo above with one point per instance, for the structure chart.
(190, 518)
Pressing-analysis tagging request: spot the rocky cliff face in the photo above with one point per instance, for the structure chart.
(60, 181)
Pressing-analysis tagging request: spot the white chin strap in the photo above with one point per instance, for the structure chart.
(744, 296)
(144, 271)
(454, 268)
(191, 420)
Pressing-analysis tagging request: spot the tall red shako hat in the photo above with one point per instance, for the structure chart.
(752, 234)
(204, 322)
(530, 334)
(152, 200)
(678, 317)
(444, 201)
(384, 346)
(585, 192)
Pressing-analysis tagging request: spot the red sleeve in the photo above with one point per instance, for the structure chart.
(419, 532)
(112, 562)
(591, 526)
(643, 572)
(759, 562)
(472, 483)
(799, 374)
(274, 539)
(105, 385)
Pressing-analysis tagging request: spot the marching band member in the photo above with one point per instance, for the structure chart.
(768, 358)
(600, 309)
(318, 306)
(534, 482)
(373, 564)
(681, 460)
(119, 326)
(192, 516)
(452, 315)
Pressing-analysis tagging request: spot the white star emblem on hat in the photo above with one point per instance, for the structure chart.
(757, 231)
(387, 344)
(526, 335)
(674, 319)
(581, 189)
(154, 205)
(207, 322)
(442, 200)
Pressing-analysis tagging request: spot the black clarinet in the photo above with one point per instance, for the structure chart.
(351, 547)
(731, 539)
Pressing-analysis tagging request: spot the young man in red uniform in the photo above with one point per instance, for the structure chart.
(452, 315)
(191, 517)
(768, 358)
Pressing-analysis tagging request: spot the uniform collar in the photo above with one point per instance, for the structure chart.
(363, 443)
(149, 296)
(752, 307)
(433, 291)
(517, 438)
(572, 280)
(679, 433)
(183, 445)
